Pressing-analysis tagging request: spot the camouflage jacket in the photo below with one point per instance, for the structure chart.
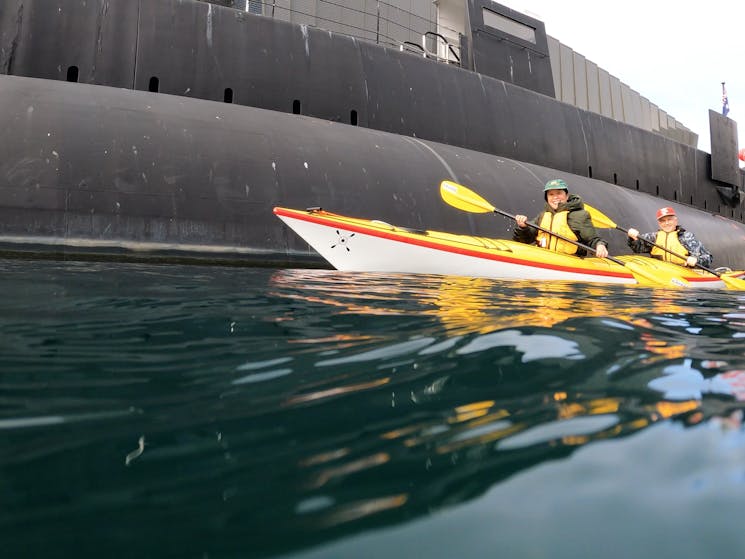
(686, 238)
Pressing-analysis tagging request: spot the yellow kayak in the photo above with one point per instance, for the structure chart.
(354, 244)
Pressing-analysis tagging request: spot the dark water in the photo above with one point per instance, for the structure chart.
(151, 411)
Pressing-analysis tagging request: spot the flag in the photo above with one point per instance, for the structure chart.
(725, 101)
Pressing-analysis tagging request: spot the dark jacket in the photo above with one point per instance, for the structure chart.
(578, 221)
(686, 238)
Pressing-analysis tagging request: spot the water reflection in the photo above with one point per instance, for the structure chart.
(466, 305)
(308, 406)
(498, 378)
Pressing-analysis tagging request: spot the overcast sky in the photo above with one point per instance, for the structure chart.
(676, 54)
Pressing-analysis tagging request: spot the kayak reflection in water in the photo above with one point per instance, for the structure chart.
(675, 244)
(565, 215)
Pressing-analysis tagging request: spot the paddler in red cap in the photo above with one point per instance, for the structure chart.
(672, 237)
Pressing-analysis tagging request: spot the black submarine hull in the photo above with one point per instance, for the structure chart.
(108, 172)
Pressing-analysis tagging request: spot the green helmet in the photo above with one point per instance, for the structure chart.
(554, 184)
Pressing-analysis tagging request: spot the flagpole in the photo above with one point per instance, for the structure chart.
(725, 101)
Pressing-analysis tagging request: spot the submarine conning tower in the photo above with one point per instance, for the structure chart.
(514, 47)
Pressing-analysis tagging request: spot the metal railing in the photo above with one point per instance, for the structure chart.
(443, 51)
(424, 27)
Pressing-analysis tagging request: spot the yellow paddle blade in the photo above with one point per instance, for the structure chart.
(651, 272)
(599, 219)
(464, 198)
(645, 277)
(733, 283)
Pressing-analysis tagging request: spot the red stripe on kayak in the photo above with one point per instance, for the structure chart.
(700, 279)
(331, 222)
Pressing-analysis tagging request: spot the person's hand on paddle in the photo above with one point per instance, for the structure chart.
(633, 233)
(691, 261)
(521, 221)
(601, 251)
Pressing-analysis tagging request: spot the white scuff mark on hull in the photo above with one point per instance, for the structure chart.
(442, 161)
(512, 70)
(304, 31)
(209, 26)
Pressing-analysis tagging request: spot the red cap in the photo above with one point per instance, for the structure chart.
(663, 212)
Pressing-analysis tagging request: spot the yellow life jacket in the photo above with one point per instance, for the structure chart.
(557, 223)
(671, 242)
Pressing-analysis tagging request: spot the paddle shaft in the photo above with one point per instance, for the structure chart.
(568, 240)
(671, 252)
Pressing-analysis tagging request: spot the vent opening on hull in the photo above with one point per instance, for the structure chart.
(615, 178)
(72, 74)
(296, 107)
(153, 85)
(228, 96)
(353, 117)
(637, 184)
(589, 171)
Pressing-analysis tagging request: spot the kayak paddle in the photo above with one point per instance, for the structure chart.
(467, 200)
(602, 221)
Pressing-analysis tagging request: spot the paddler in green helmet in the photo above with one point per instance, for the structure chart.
(565, 215)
